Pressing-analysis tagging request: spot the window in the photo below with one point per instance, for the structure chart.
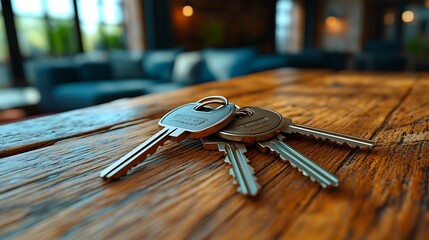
(101, 22)
(31, 29)
(50, 28)
(5, 79)
(288, 26)
(61, 26)
(45, 27)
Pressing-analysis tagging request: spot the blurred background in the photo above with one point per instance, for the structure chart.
(59, 55)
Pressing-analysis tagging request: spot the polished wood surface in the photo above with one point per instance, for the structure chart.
(50, 186)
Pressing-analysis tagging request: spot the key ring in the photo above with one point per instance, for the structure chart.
(212, 99)
(243, 112)
(225, 100)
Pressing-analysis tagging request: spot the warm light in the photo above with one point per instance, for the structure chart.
(389, 18)
(187, 11)
(334, 24)
(331, 21)
(407, 16)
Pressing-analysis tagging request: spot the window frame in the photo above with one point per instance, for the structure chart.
(16, 58)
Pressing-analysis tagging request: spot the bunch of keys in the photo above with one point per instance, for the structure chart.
(265, 128)
(229, 130)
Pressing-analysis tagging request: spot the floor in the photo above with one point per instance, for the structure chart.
(17, 103)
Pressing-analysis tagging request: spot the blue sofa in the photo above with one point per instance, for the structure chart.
(79, 84)
(82, 84)
(380, 56)
(76, 85)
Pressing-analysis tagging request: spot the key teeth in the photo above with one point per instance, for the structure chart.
(322, 184)
(234, 181)
(129, 167)
(239, 188)
(305, 174)
(330, 140)
(231, 172)
(283, 158)
(264, 148)
(269, 149)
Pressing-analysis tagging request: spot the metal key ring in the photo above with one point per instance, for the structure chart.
(201, 105)
(212, 99)
(243, 112)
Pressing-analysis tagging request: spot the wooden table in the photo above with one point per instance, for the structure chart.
(50, 186)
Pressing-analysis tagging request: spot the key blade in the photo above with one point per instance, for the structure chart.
(241, 170)
(333, 180)
(137, 155)
(335, 137)
(307, 167)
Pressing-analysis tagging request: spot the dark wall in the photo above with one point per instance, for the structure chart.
(157, 21)
(224, 23)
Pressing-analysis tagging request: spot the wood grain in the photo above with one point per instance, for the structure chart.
(44, 131)
(185, 192)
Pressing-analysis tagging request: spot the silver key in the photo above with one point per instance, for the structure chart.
(299, 161)
(240, 169)
(193, 120)
(260, 125)
(323, 134)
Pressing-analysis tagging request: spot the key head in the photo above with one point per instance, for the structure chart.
(197, 120)
(253, 124)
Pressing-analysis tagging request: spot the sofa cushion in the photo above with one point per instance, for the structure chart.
(380, 61)
(267, 62)
(92, 71)
(164, 87)
(221, 64)
(70, 96)
(48, 77)
(31, 66)
(187, 67)
(312, 58)
(126, 64)
(158, 64)
(379, 46)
